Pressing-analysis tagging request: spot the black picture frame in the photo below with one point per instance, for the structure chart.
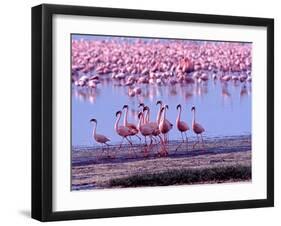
(42, 183)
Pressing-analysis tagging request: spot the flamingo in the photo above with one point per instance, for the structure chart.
(181, 125)
(131, 126)
(197, 128)
(145, 130)
(165, 126)
(122, 131)
(99, 137)
(154, 125)
(159, 113)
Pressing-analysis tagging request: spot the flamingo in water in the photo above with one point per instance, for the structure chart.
(122, 131)
(197, 128)
(181, 125)
(165, 127)
(99, 137)
(167, 123)
(131, 126)
(145, 129)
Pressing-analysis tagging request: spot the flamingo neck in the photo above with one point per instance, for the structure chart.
(140, 122)
(193, 118)
(159, 115)
(126, 117)
(179, 115)
(94, 130)
(164, 115)
(147, 117)
(117, 122)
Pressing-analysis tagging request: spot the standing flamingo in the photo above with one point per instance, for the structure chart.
(181, 125)
(131, 126)
(165, 126)
(155, 126)
(99, 137)
(159, 113)
(145, 130)
(197, 128)
(122, 131)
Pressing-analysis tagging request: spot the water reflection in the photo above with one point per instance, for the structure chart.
(232, 117)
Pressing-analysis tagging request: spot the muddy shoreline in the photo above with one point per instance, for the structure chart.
(91, 170)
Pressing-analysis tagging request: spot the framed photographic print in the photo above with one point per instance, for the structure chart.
(145, 112)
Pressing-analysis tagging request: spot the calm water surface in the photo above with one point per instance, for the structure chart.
(222, 109)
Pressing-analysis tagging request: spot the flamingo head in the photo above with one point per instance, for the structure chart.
(141, 105)
(162, 109)
(93, 120)
(159, 102)
(146, 108)
(179, 106)
(125, 106)
(166, 106)
(118, 112)
(193, 108)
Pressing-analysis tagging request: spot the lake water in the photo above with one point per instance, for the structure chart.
(222, 109)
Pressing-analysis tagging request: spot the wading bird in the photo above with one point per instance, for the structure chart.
(165, 126)
(122, 131)
(145, 130)
(181, 125)
(99, 137)
(197, 128)
(131, 126)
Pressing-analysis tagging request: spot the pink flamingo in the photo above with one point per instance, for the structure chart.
(181, 125)
(122, 131)
(131, 126)
(197, 128)
(145, 130)
(165, 126)
(159, 113)
(154, 125)
(99, 137)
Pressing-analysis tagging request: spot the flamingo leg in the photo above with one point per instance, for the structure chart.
(145, 147)
(196, 141)
(138, 137)
(186, 140)
(180, 143)
(202, 141)
(108, 150)
(148, 147)
(182, 137)
(102, 151)
(131, 146)
(163, 148)
(121, 143)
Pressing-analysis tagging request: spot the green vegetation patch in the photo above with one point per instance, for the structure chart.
(185, 176)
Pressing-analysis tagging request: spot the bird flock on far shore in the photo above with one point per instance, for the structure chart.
(148, 132)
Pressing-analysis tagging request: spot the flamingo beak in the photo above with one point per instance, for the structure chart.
(93, 120)
(193, 108)
(159, 102)
(118, 112)
(125, 106)
(178, 106)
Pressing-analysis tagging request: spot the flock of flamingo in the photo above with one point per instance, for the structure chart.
(135, 62)
(157, 131)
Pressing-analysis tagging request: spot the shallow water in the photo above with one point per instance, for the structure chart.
(222, 109)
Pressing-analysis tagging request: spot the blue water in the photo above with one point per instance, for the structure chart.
(223, 110)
